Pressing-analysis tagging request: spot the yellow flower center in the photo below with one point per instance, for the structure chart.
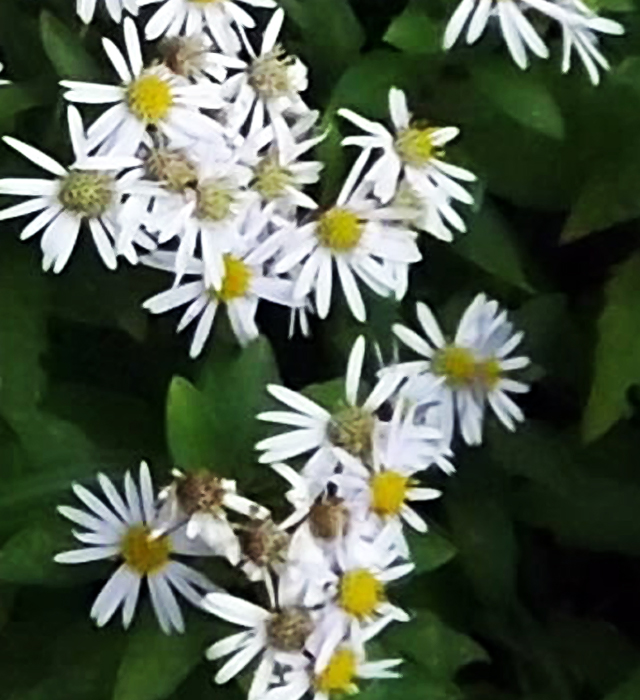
(415, 145)
(457, 365)
(360, 593)
(489, 373)
(271, 179)
(236, 280)
(86, 192)
(143, 553)
(339, 673)
(269, 73)
(149, 98)
(215, 199)
(388, 492)
(352, 429)
(339, 230)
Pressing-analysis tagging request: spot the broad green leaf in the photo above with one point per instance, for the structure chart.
(492, 245)
(412, 685)
(521, 95)
(65, 50)
(27, 557)
(414, 31)
(190, 427)
(438, 650)
(328, 394)
(234, 387)
(154, 664)
(430, 550)
(15, 99)
(617, 356)
(609, 195)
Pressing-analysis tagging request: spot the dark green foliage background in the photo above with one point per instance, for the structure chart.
(528, 585)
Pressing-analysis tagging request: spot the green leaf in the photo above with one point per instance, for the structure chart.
(438, 650)
(521, 95)
(190, 427)
(27, 557)
(65, 50)
(154, 664)
(413, 685)
(327, 394)
(609, 195)
(617, 356)
(430, 551)
(415, 32)
(492, 245)
(234, 387)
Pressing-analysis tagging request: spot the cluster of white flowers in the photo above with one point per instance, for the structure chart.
(198, 167)
(579, 24)
(326, 567)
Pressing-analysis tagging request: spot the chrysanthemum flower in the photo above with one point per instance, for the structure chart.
(278, 636)
(351, 426)
(244, 283)
(148, 97)
(200, 499)
(580, 27)
(218, 16)
(124, 530)
(87, 8)
(358, 236)
(90, 191)
(334, 675)
(472, 369)
(267, 86)
(413, 153)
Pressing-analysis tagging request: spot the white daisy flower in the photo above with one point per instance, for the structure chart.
(268, 85)
(333, 674)
(352, 426)
(148, 97)
(123, 529)
(218, 16)
(90, 191)
(278, 637)
(244, 284)
(413, 154)
(385, 495)
(470, 369)
(86, 9)
(357, 236)
(579, 25)
(200, 500)
(580, 32)
(354, 589)
(193, 56)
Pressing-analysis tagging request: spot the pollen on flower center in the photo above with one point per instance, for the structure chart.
(264, 543)
(388, 492)
(360, 593)
(215, 199)
(86, 192)
(489, 373)
(269, 73)
(339, 230)
(200, 492)
(172, 168)
(339, 673)
(149, 98)
(415, 145)
(143, 552)
(352, 429)
(289, 628)
(271, 178)
(457, 365)
(236, 280)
